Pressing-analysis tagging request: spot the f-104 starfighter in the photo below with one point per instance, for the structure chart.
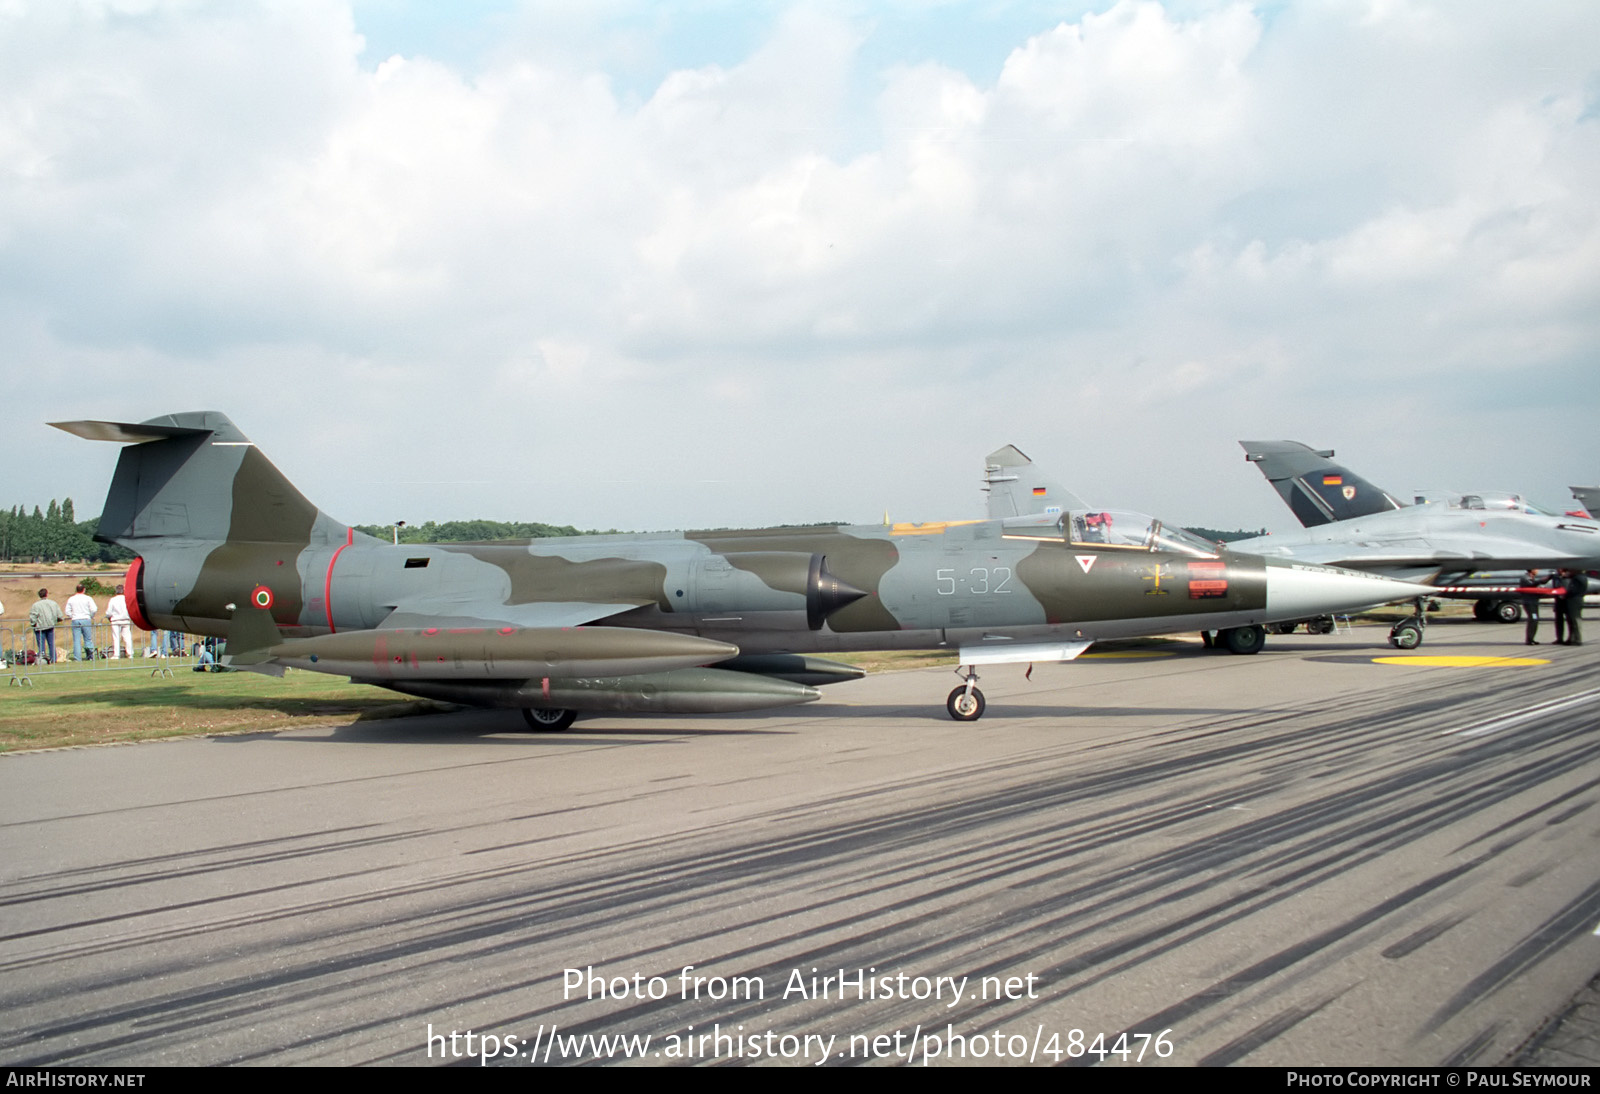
(690, 622)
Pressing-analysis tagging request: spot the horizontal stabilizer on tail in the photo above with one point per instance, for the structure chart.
(127, 432)
(194, 478)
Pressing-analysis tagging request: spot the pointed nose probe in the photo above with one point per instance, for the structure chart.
(1297, 592)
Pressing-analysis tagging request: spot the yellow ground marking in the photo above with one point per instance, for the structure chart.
(1460, 662)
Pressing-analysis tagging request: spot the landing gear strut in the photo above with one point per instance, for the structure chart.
(966, 702)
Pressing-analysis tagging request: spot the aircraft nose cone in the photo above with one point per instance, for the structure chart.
(1296, 592)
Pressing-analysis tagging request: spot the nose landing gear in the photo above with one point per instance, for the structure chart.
(966, 702)
(1407, 634)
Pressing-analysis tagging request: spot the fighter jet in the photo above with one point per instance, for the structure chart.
(691, 622)
(1441, 540)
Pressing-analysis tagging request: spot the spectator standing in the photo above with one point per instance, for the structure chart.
(43, 617)
(80, 609)
(121, 625)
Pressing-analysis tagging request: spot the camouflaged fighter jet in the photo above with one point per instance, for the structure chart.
(693, 622)
(1444, 541)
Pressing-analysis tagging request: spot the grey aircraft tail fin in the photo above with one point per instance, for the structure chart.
(1588, 497)
(194, 477)
(1017, 489)
(1317, 490)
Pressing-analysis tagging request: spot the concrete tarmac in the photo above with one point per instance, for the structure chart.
(1301, 857)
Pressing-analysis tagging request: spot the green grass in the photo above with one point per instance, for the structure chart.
(103, 705)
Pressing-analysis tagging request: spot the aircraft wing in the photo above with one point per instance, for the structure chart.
(1413, 556)
(1350, 556)
(469, 614)
(128, 432)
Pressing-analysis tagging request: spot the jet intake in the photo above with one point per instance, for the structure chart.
(792, 572)
(826, 594)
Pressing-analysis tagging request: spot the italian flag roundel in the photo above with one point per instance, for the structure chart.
(261, 596)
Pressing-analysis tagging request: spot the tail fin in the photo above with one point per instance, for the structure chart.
(1017, 489)
(1317, 490)
(194, 478)
(1588, 497)
(215, 525)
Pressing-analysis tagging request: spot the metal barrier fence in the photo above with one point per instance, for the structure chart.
(156, 652)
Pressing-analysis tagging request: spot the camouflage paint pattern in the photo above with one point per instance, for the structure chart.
(220, 529)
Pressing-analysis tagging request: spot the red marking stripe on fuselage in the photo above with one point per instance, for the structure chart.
(327, 585)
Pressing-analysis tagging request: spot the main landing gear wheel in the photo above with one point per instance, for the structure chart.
(546, 720)
(1406, 635)
(1244, 639)
(964, 704)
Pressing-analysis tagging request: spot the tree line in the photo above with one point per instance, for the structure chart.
(1216, 536)
(470, 531)
(53, 535)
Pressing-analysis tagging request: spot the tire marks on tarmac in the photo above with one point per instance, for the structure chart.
(1244, 879)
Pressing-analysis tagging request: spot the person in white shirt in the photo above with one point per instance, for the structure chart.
(80, 610)
(121, 625)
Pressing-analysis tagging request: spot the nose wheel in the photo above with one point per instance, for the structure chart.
(966, 702)
(1407, 634)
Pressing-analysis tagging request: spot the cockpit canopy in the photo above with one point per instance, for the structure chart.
(1484, 500)
(1115, 528)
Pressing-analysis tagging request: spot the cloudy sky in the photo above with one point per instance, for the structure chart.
(631, 264)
